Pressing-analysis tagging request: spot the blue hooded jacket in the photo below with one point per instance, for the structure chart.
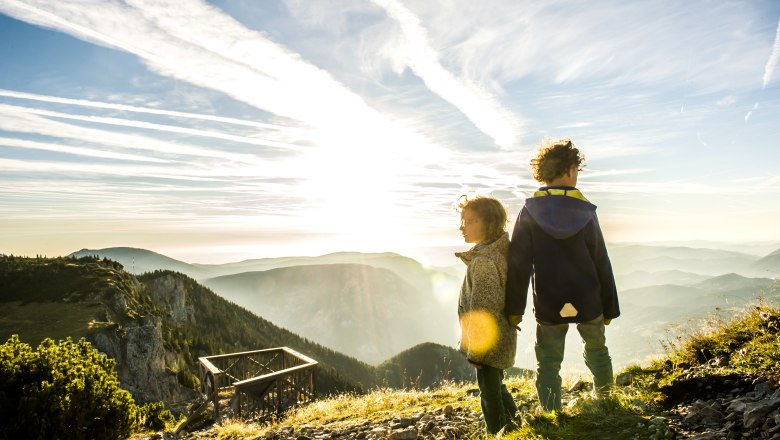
(558, 246)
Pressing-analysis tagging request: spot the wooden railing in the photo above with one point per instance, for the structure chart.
(257, 384)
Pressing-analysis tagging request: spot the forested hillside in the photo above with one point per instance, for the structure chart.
(155, 326)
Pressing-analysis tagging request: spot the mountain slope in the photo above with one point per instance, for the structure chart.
(630, 258)
(155, 326)
(768, 266)
(643, 278)
(360, 310)
(423, 366)
(648, 312)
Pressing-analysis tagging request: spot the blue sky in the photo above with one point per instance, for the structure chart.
(236, 129)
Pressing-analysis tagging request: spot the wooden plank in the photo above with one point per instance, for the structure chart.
(270, 376)
(305, 358)
(204, 361)
(244, 353)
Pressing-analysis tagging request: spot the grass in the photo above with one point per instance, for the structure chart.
(349, 409)
(614, 417)
(747, 346)
(62, 320)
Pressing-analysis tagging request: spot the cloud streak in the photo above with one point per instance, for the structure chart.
(136, 109)
(771, 63)
(24, 120)
(198, 43)
(482, 108)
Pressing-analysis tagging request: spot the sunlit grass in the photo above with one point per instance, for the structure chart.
(382, 404)
(236, 430)
(617, 416)
(748, 344)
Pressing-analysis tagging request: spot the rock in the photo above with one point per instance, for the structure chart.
(624, 379)
(407, 434)
(756, 413)
(406, 422)
(638, 404)
(762, 389)
(736, 406)
(709, 435)
(580, 385)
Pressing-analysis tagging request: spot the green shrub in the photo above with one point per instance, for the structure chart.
(62, 390)
(154, 417)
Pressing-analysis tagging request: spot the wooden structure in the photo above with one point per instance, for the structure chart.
(256, 384)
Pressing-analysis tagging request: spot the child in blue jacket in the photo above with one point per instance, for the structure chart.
(557, 245)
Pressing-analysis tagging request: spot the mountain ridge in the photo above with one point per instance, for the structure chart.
(166, 318)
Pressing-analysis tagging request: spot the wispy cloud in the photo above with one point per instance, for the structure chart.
(136, 109)
(750, 112)
(17, 119)
(771, 63)
(569, 42)
(164, 128)
(480, 106)
(198, 43)
(575, 125)
(20, 143)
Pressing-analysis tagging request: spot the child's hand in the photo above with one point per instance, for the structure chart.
(514, 319)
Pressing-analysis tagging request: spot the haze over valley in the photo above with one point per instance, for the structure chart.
(372, 306)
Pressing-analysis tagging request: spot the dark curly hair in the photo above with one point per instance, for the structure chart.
(492, 213)
(554, 159)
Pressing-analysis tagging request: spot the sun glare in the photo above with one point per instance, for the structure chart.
(352, 192)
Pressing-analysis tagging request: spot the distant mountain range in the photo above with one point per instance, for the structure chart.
(659, 287)
(370, 306)
(631, 258)
(364, 311)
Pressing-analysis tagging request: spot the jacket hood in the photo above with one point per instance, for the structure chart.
(495, 250)
(560, 211)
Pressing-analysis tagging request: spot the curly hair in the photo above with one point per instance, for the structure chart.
(492, 213)
(554, 159)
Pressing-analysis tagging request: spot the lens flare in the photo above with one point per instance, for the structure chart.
(479, 332)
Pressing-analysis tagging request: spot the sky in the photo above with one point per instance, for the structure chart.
(219, 131)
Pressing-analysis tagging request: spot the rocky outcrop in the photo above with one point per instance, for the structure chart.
(735, 411)
(144, 366)
(169, 292)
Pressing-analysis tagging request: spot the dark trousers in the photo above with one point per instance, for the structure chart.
(550, 341)
(498, 407)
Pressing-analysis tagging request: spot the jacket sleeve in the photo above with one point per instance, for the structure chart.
(520, 265)
(598, 250)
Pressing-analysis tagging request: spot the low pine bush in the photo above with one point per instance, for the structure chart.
(154, 417)
(67, 390)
